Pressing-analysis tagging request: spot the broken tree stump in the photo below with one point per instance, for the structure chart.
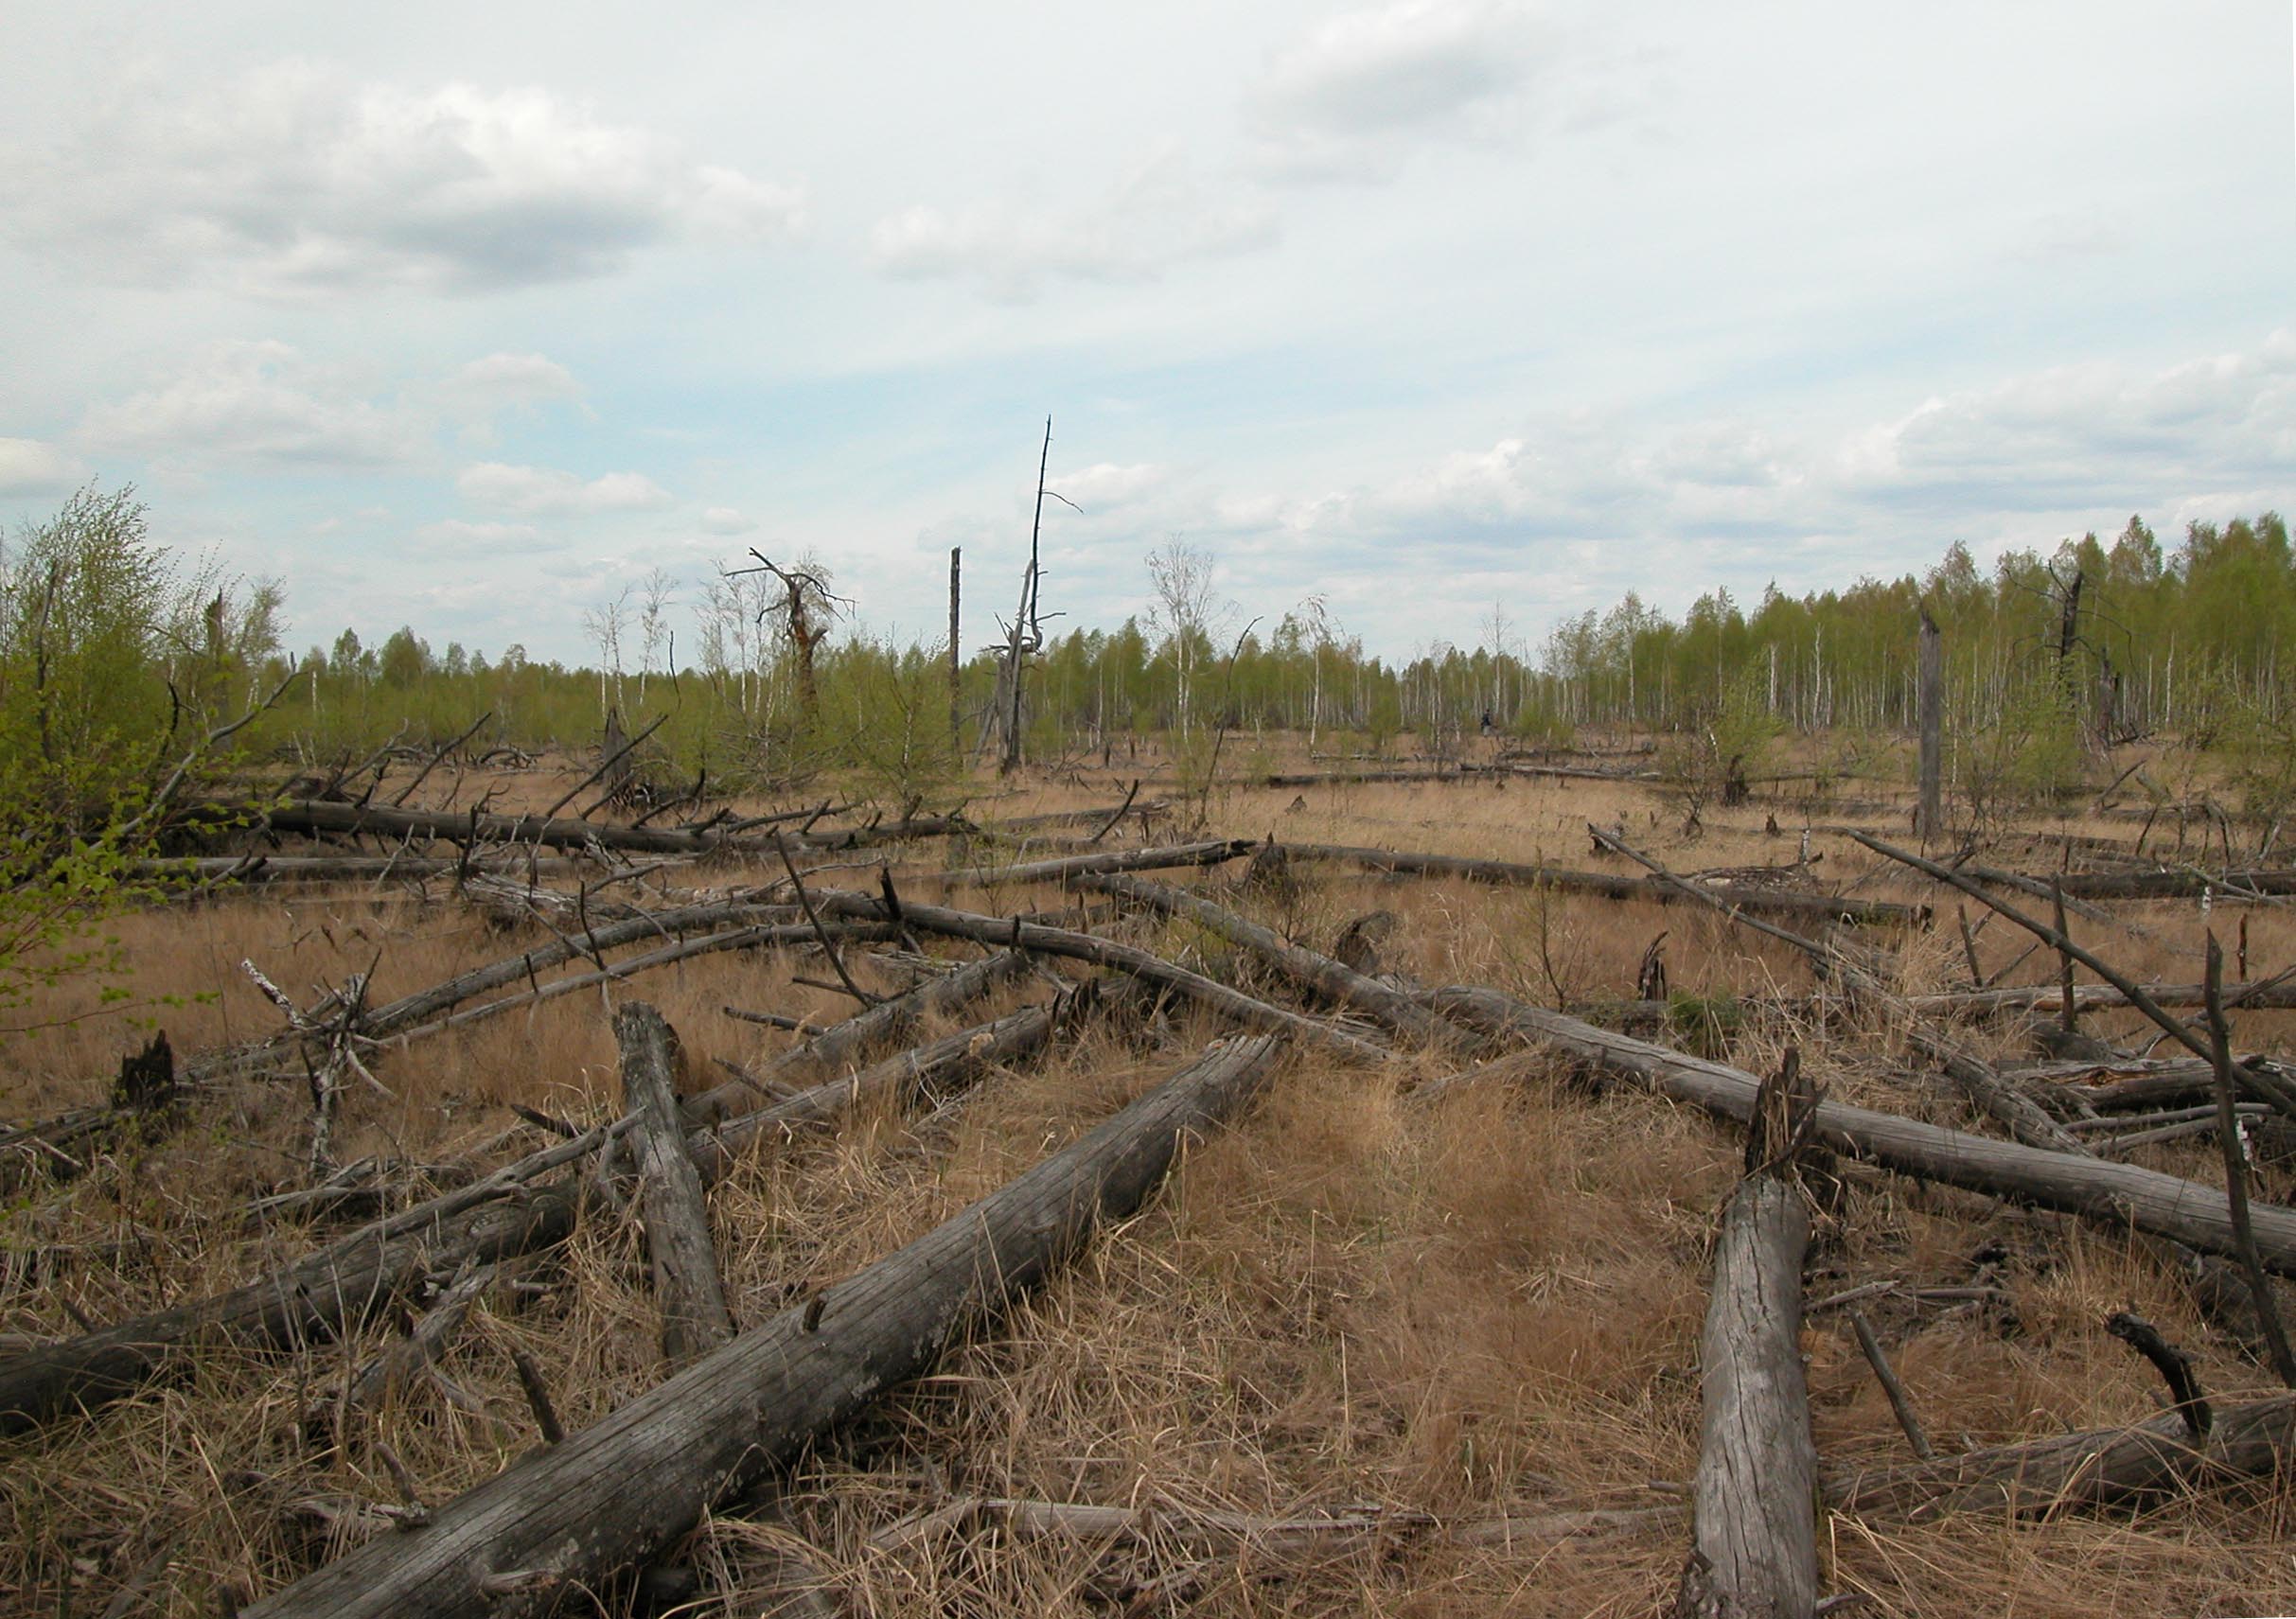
(610, 1495)
(686, 1286)
(1753, 1524)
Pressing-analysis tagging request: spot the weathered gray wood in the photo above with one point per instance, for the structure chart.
(1752, 1520)
(2101, 1467)
(1035, 936)
(511, 1212)
(313, 816)
(1206, 854)
(607, 1497)
(1607, 885)
(836, 1049)
(2116, 1196)
(2263, 994)
(1333, 980)
(686, 1288)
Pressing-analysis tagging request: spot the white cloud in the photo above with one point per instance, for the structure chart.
(29, 467)
(294, 180)
(2099, 432)
(454, 536)
(543, 491)
(726, 519)
(503, 379)
(259, 401)
(1159, 215)
(1348, 101)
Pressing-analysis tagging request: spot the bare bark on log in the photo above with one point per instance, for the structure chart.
(1606, 885)
(2115, 1195)
(1062, 869)
(315, 816)
(1754, 1529)
(1033, 936)
(2103, 1466)
(836, 1049)
(2263, 994)
(2159, 884)
(686, 1288)
(1325, 976)
(340, 867)
(612, 1494)
(511, 1212)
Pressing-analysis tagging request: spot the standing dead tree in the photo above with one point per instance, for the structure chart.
(1023, 636)
(806, 609)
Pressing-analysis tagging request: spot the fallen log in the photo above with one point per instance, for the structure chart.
(1605, 885)
(1334, 980)
(2165, 883)
(314, 816)
(686, 1288)
(2145, 1462)
(1034, 936)
(2263, 994)
(1062, 869)
(836, 1049)
(1753, 1530)
(344, 867)
(2117, 1195)
(512, 1212)
(566, 1517)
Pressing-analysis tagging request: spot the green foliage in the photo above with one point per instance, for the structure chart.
(1703, 1024)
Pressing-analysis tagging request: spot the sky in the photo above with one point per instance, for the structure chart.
(1454, 316)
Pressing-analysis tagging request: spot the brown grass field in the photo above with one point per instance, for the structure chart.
(1486, 1306)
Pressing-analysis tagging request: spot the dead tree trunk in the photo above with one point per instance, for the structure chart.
(1020, 934)
(956, 657)
(2146, 1461)
(1753, 1527)
(1930, 819)
(568, 1517)
(2118, 1195)
(1333, 980)
(686, 1286)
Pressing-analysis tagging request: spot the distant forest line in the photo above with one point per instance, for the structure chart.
(112, 654)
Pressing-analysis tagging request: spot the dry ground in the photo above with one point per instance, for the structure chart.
(1488, 1306)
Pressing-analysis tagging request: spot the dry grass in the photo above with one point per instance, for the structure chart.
(1484, 1307)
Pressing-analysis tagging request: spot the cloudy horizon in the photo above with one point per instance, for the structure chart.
(470, 322)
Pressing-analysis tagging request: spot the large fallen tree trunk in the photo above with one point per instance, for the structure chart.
(311, 816)
(1737, 896)
(2118, 1195)
(512, 1212)
(1333, 980)
(344, 867)
(2102, 1467)
(687, 1290)
(1022, 935)
(571, 1516)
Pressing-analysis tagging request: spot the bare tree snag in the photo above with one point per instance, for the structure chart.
(610, 1496)
(1753, 1525)
(1604, 885)
(956, 657)
(1320, 974)
(1036, 936)
(686, 1288)
(1930, 818)
(2116, 1196)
